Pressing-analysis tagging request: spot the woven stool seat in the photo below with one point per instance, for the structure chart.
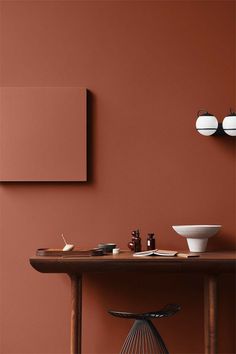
(143, 338)
(167, 311)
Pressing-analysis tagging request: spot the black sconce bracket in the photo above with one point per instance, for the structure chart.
(220, 131)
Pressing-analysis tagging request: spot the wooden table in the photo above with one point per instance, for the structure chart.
(209, 264)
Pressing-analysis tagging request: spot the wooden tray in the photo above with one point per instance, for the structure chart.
(50, 252)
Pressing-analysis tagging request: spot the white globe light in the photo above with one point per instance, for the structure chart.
(207, 124)
(229, 124)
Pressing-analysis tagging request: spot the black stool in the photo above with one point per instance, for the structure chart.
(143, 338)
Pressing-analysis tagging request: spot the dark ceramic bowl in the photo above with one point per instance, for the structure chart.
(107, 247)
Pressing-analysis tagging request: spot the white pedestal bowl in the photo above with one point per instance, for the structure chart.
(197, 235)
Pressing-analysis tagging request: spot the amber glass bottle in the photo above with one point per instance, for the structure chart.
(137, 241)
(151, 244)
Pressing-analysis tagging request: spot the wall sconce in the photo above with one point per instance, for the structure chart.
(229, 124)
(207, 124)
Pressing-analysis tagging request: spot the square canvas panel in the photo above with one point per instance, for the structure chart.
(43, 134)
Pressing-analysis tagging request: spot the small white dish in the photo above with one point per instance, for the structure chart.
(197, 235)
(67, 247)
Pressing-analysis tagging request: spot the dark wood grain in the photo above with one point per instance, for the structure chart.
(210, 313)
(217, 262)
(76, 314)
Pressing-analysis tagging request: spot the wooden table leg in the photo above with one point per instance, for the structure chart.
(76, 314)
(210, 313)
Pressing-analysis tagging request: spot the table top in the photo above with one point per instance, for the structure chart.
(215, 262)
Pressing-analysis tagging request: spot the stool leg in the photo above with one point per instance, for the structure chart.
(143, 338)
(163, 349)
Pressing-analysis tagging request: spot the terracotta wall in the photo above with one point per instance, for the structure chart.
(149, 65)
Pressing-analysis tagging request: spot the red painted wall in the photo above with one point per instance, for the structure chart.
(149, 66)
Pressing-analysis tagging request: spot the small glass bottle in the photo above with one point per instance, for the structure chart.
(137, 241)
(151, 244)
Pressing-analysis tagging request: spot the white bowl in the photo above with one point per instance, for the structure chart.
(197, 235)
